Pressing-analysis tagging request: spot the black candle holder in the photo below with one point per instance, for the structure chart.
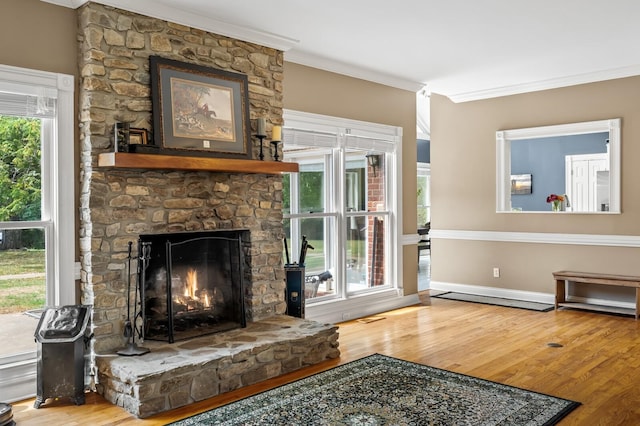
(261, 155)
(274, 148)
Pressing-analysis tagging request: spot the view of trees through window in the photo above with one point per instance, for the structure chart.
(22, 256)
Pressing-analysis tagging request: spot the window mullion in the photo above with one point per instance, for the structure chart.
(339, 199)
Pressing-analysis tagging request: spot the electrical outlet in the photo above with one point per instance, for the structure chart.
(496, 272)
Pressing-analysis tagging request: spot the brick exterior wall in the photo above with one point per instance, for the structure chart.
(375, 195)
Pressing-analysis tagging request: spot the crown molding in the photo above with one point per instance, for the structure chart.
(72, 4)
(190, 19)
(553, 83)
(351, 70)
(275, 41)
(287, 45)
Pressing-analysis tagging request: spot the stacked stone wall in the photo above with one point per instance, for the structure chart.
(117, 205)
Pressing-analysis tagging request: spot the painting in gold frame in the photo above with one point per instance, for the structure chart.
(199, 110)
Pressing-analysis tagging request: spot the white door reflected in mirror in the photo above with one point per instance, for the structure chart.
(577, 163)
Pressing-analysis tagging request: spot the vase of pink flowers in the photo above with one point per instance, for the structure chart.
(556, 202)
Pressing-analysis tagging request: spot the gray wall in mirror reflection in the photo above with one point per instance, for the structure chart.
(424, 151)
(544, 159)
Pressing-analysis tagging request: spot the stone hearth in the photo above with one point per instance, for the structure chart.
(173, 375)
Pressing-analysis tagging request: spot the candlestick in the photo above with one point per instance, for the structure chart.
(276, 133)
(274, 145)
(261, 155)
(261, 127)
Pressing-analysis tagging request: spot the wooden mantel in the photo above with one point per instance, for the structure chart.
(177, 162)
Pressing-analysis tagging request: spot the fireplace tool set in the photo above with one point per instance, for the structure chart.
(303, 251)
(131, 327)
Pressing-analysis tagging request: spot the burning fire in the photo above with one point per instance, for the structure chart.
(191, 285)
(191, 290)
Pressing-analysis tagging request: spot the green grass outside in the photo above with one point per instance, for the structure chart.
(314, 261)
(21, 261)
(19, 294)
(315, 258)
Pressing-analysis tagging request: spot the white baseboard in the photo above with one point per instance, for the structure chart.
(529, 296)
(18, 380)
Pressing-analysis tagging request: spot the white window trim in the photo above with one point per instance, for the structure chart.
(60, 232)
(424, 170)
(359, 305)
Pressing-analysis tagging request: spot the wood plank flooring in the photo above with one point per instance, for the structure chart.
(596, 365)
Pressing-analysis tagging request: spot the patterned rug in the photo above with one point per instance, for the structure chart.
(380, 390)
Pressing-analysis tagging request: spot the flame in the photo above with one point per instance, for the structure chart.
(191, 286)
(193, 296)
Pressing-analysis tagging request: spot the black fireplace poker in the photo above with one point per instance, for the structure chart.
(286, 250)
(130, 329)
(303, 252)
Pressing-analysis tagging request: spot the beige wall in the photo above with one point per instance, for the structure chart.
(38, 35)
(51, 45)
(320, 92)
(463, 189)
(41, 36)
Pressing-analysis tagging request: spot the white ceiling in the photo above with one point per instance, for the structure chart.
(464, 49)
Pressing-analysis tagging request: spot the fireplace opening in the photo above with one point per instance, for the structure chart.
(193, 283)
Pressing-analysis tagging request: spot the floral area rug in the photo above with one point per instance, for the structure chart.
(380, 390)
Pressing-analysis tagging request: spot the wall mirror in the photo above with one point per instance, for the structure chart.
(576, 165)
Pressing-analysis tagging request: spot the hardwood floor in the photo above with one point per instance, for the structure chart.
(596, 365)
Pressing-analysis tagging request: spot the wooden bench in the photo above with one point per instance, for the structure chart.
(562, 277)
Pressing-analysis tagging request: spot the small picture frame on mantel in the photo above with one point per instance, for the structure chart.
(121, 137)
(138, 136)
(129, 139)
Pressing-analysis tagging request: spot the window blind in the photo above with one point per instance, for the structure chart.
(369, 143)
(298, 137)
(27, 101)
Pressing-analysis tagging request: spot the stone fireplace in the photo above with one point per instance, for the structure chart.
(118, 205)
(193, 283)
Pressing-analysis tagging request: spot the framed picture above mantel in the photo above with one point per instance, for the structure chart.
(199, 111)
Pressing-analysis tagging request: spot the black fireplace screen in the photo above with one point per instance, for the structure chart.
(193, 283)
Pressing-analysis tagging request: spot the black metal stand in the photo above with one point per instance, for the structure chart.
(62, 342)
(6, 415)
(294, 275)
(275, 150)
(261, 137)
(130, 328)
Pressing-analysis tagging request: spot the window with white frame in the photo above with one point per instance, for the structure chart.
(341, 204)
(37, 249)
